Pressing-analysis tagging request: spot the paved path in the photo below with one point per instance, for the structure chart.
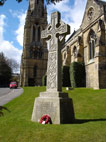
(7, 94)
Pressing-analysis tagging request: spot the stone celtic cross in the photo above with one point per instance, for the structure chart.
(55, 33)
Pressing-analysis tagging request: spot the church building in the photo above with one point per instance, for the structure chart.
(88, 44)
(35, 53)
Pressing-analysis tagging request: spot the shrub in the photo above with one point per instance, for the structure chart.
(77, 74)
(66, 76)
(44, 78)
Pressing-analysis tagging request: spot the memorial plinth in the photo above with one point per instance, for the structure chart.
(54, 102)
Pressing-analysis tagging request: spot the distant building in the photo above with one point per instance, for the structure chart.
(88, 44)
(16, 77)
(34, 57)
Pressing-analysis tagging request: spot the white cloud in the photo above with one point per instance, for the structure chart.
(71, 14)
(10, 51)
(20, 30)
(2, 18)
(7, 47)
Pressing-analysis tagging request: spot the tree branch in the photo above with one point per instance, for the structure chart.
(47, 1)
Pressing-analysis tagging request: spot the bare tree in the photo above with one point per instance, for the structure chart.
(13, 65)
(47, 1)
(5, 71)
(7, 68)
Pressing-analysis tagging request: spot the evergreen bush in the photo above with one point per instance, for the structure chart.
(5, 71)
(77, 74)
(44, 79)
(66, 76)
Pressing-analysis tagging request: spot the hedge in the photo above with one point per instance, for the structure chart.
(66, 76)
(44, 78)
(77, 74)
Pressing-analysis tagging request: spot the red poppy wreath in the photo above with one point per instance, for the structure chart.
(45, 119)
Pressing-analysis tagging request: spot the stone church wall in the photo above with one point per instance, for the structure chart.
(94, 21)
(35, 53)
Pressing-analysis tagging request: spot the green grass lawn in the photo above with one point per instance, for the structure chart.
(90, 114)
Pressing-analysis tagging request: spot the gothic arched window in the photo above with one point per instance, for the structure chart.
(31, 53)
(33, 34)
(39, 34)
(92, 44)
(90, 13)
(75, 51)
(65, 54)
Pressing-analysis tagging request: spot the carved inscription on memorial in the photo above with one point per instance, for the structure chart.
(44, 107)
(52, 70)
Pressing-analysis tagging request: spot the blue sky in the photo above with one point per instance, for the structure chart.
(12, 19)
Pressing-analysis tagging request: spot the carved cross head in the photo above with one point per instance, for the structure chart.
(56, 28)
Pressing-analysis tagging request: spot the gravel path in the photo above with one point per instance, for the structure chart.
(7, 94)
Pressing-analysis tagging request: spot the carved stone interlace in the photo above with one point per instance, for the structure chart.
(55, 29)
(52, 71)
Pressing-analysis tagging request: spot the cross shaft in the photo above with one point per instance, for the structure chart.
(55, 29)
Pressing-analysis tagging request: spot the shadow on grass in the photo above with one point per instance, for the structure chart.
(81, 121)
(1, 110)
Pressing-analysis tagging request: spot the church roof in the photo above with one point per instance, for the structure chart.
(97, 7)
(102, 2)
(74, 34)
(85, 23)
(71, 35)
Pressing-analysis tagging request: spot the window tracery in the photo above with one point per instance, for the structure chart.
(36, 52)
(33, 33)
(92, 40)
(75, 51)
(90, 13)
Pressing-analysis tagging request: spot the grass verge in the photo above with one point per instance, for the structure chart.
(90, 113)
